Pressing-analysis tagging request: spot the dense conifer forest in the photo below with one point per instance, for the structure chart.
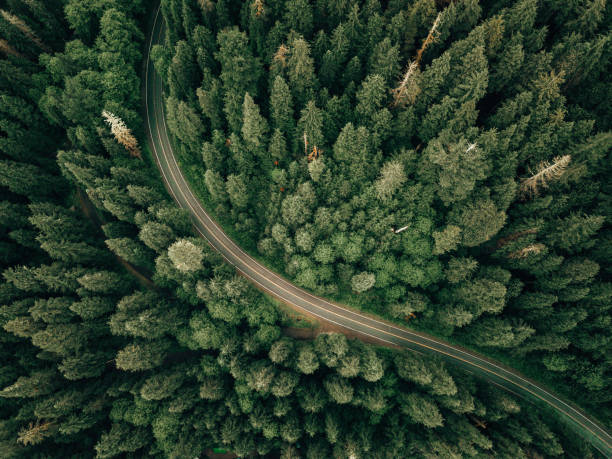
(444, 164)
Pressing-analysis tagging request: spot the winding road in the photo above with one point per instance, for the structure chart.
(302, 301)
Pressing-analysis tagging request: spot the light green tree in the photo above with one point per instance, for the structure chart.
(363, 281)
(186, 256)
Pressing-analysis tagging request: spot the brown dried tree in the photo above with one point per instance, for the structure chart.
(281, 55)
(408, 88)
(431, 37)
(35, 433)
(258, 8)
(122, 134)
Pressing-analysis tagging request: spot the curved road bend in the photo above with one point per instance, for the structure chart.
(324, 310)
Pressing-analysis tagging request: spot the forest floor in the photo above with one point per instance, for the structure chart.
(213, 455)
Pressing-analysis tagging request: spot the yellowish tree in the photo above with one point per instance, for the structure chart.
(35, 433)
(122, 134)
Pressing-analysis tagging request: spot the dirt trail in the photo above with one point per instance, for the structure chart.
(90, 211)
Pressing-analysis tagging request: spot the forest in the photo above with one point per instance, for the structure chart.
(442, 164)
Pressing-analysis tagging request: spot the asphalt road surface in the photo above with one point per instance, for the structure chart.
(302, 301)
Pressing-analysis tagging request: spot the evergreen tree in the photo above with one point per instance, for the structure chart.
(254, 126)
(281, 107)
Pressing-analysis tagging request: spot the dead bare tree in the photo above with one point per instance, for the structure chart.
(431, 37)
(122, 134)
(25, 29)
(408, 88)
(513, 237)
(531, 249)
(546, 172)
(7, 49)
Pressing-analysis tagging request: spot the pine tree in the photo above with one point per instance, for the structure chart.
(479, 222)
(215, 186)
(310, 128)
(281, 107)
(104, 282)
(237, 191)
(298, 16)
(460, 166)
(370, 98)
(307, 360)
(254, 126)
(19, 178)
(421, 410)
(278, 146)
(142, 355)
(446, 240)
(131, 251)
(183, 74)
(122, 437)
(339, 389)
(162, 386)
(92, 307)
(240, 71)
(301, 72)
(185, 124)
(118, 40)
(384, 60)
(392, 177)
(575, 232)
(413, 368)
(36, 384)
